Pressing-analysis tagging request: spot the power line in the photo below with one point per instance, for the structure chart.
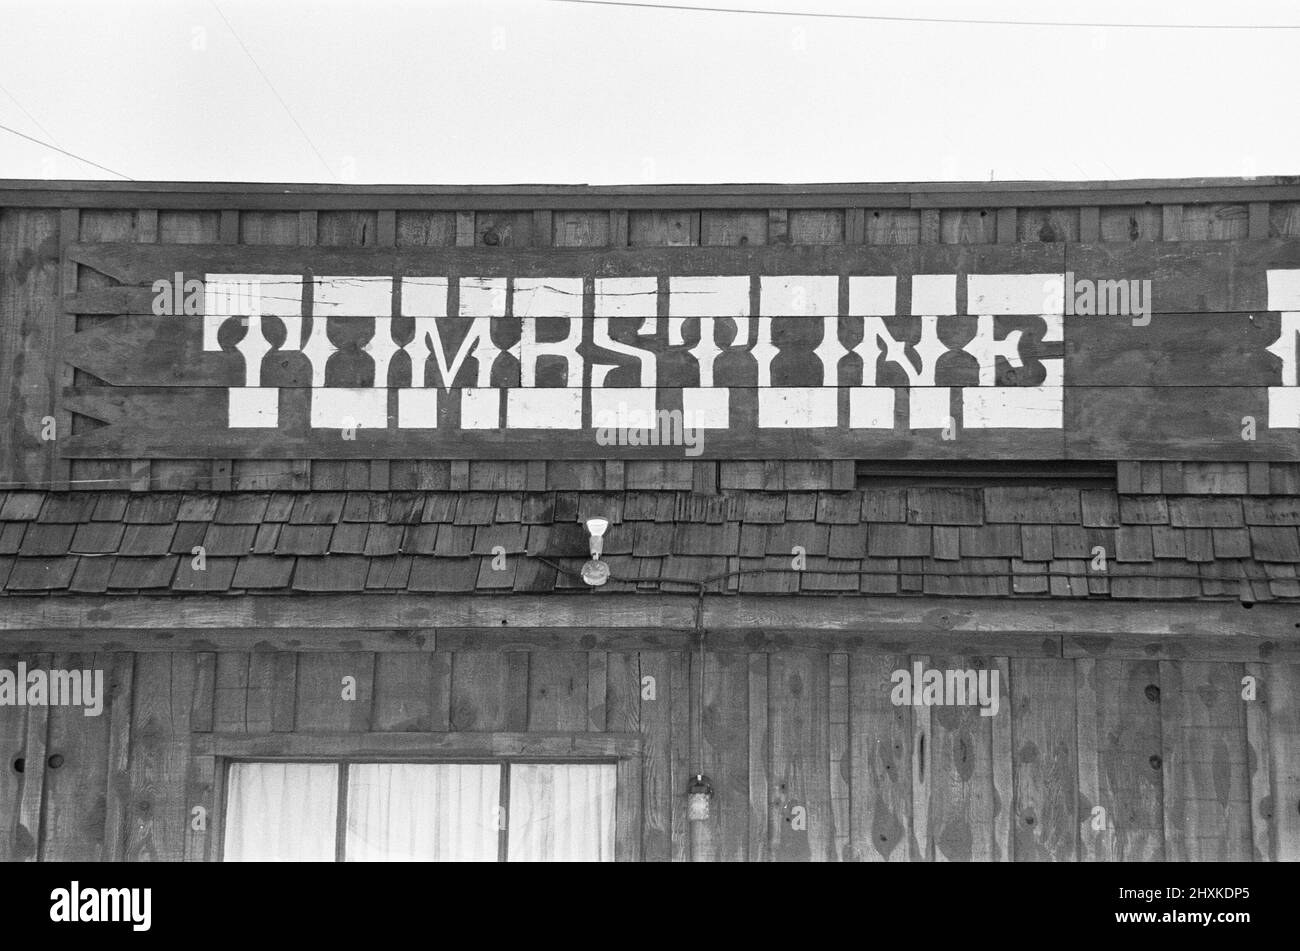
(947, 20)
(274, 91)
(23, 135)
(21, 108)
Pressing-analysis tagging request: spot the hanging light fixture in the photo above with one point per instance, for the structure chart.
(698, 798)
(595, 572)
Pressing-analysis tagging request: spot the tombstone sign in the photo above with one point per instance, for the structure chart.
(1052, 351)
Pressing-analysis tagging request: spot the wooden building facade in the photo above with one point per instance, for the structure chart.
(923, 449)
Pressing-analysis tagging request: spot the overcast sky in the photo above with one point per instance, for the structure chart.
(499, 91)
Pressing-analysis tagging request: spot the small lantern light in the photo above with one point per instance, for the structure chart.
(698, 798)
(596, 572)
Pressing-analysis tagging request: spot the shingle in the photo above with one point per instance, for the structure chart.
(496, 575)
(510, 507)
(389, 572)
(846, 541)
(976, 577)
(41, 574)
(142, 573)
(775, 578)
(1282, 580)
(421, 539)
(911, 574)
(1043, 506)
(1162, 579)
(65, 507)
(110, 506)
(538, 508)
(566, 507)
(1070, 541)
(839, 508)
(476, 508)
(812, 537)
(156, 508)
(304, 539)
(884, 505)
(92, 574)
(385, 540)
(938, 506)
(97, 538)
(443, 574)
(194, 508)
(830, 574)
(365, 507)
(232, 540)
(242, 508)
(655, 539)
(753, 540)
(1200, 544)
(1028, 577)
(1169, 542)
(187, 535)
(1133, 543)
(695, 539)
(454, 541)
(879, 576)
(439, 507)
(606, 505)
(332, 573)
(513, 538)
(349, 538)
(405, 508)
(898, 541)
(267, 537)
(1100, 508)
(1272, 511)
(618, 538)
(991, 541)
(217, 574)
(532, 574)
(22, 506)
(318, 508)
(1143, 510)
(947, 542)
(11, 537)
(558, 540)
(1067, 578)
(263, 571)
(1199, 512)
(46, 540)
(1231, 543)
(280, 507)
(766, 508)
(801, 506)
(1281, 543)
(1036, 543)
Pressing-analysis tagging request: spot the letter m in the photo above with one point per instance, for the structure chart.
(428, 341)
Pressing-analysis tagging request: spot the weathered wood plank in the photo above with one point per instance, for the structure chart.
(725, 836)
(404, 692)
(1206, 795)
(759, 747)
(75, 795)
(1283, 693)
(961, 783)
(880, 735)
(655, 688)
(557, 691)
(162, 691)
(13, 743)
(335, 692)
(800, 782)
(121, 701)
(1259, 760)
(478, 691)
(1046, 761)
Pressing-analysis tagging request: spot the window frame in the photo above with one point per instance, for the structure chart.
(623, 750)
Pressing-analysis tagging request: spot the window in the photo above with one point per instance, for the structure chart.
(467, 812)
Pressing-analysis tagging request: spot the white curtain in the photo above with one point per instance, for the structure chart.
(408, 812)
(281, 812)
(562, 813)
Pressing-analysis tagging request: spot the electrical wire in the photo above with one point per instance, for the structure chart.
(275, 92)
(957, 21)
(23, 135)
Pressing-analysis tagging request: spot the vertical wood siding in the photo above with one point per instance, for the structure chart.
(1087, 760)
